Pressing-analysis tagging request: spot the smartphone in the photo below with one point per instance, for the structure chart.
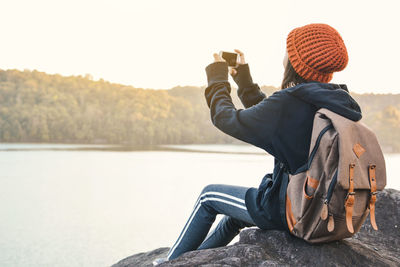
(231, 58)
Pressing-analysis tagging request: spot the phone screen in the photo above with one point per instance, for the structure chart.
(231, 58)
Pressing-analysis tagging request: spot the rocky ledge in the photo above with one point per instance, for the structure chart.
(276, 248)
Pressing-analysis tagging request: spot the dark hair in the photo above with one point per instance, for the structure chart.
(290, 77)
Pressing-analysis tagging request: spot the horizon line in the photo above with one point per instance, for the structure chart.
(99, 79)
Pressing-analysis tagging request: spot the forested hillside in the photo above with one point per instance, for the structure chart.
(38, 107)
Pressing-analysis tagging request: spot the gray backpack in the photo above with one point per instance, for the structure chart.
(331, 199)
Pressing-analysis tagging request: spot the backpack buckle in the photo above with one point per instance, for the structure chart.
(349, 194)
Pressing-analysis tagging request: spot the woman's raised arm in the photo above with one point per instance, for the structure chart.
(248, 91)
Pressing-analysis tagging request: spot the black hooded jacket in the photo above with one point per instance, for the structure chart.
(280, 124)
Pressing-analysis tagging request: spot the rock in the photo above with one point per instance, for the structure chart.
(142, 259)
(386, 241)
(278, 248)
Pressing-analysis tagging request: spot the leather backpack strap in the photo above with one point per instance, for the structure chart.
(349, 205)
(372, 200)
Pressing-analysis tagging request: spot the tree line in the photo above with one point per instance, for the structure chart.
(38, 107)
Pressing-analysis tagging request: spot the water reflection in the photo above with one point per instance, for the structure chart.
(224, 149)
(92, 205)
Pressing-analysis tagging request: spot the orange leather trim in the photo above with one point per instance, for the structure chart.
(331, 223)
(312, 182)
(372, 181)
(358, 150)
(324, 212)
(350, 200)
(349, 213)
(351, 178)
(291, 221)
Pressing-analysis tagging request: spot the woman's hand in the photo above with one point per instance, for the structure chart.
(218, 58)
(241, 61)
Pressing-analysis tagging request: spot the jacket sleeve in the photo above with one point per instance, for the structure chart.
(255, 125)
(248, 92)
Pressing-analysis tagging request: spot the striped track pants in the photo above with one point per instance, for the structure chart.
(214, 199)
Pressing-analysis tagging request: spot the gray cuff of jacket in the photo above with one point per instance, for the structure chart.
(217, 72)
(243, 78)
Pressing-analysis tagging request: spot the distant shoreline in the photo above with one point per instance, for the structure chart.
(195, 148)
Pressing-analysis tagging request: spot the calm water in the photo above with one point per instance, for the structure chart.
(62, 206)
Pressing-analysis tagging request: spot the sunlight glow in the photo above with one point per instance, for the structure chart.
(160, 44)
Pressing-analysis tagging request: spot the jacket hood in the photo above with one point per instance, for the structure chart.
(334, 97)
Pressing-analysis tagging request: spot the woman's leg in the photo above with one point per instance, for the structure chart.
(213, 200)
(224, 233)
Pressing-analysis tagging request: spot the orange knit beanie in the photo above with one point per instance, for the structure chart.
(316, 51)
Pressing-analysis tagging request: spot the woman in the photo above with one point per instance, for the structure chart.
(280, 124)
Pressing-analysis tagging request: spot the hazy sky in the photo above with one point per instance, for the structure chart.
(161, 44)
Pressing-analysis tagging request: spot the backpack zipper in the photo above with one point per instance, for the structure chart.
(330, 188)
(330, 126)
(325, 209)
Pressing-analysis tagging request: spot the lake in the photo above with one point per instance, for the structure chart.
(73, 205)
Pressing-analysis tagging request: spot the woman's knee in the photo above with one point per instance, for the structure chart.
(210, 188)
